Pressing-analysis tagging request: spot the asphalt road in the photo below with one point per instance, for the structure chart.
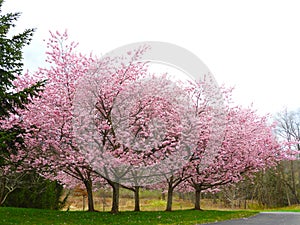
(268, 218)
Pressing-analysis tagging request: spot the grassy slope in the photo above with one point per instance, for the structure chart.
(45, 217)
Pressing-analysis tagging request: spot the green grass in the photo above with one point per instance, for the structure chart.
(37, 216)
(293, 208)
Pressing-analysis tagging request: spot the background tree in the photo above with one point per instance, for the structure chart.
(288, 130)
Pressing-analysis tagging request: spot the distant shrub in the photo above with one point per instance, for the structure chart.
(39, 193)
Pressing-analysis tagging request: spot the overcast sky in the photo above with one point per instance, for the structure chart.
(252, 45)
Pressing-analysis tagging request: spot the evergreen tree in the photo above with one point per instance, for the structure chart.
(10, 68)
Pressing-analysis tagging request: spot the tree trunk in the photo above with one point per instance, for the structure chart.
(116, 196)
(137, 199)
(287, 196)
(294, 190)
(2, 190)
(293, 177)
(89, 190)
(197, 198)
(170, 197)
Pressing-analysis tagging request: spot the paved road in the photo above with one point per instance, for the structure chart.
(272, 218)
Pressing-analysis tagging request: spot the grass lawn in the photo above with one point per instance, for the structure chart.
(293, 208)
(39, 216)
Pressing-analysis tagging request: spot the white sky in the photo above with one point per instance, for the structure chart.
(252, 45)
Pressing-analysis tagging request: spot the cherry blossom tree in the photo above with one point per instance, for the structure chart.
(209, 115)
(134, 127)
(249, 145)
(175, 111)
(54, 151)
(106, 82)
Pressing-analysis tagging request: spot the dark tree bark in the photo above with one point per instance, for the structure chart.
(170, 195)
(136, 191)
(89, 190)
(137, 199)
(116, 197)
(197, 197)
(173, 182)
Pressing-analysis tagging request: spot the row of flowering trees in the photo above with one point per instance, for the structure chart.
(135, 126)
